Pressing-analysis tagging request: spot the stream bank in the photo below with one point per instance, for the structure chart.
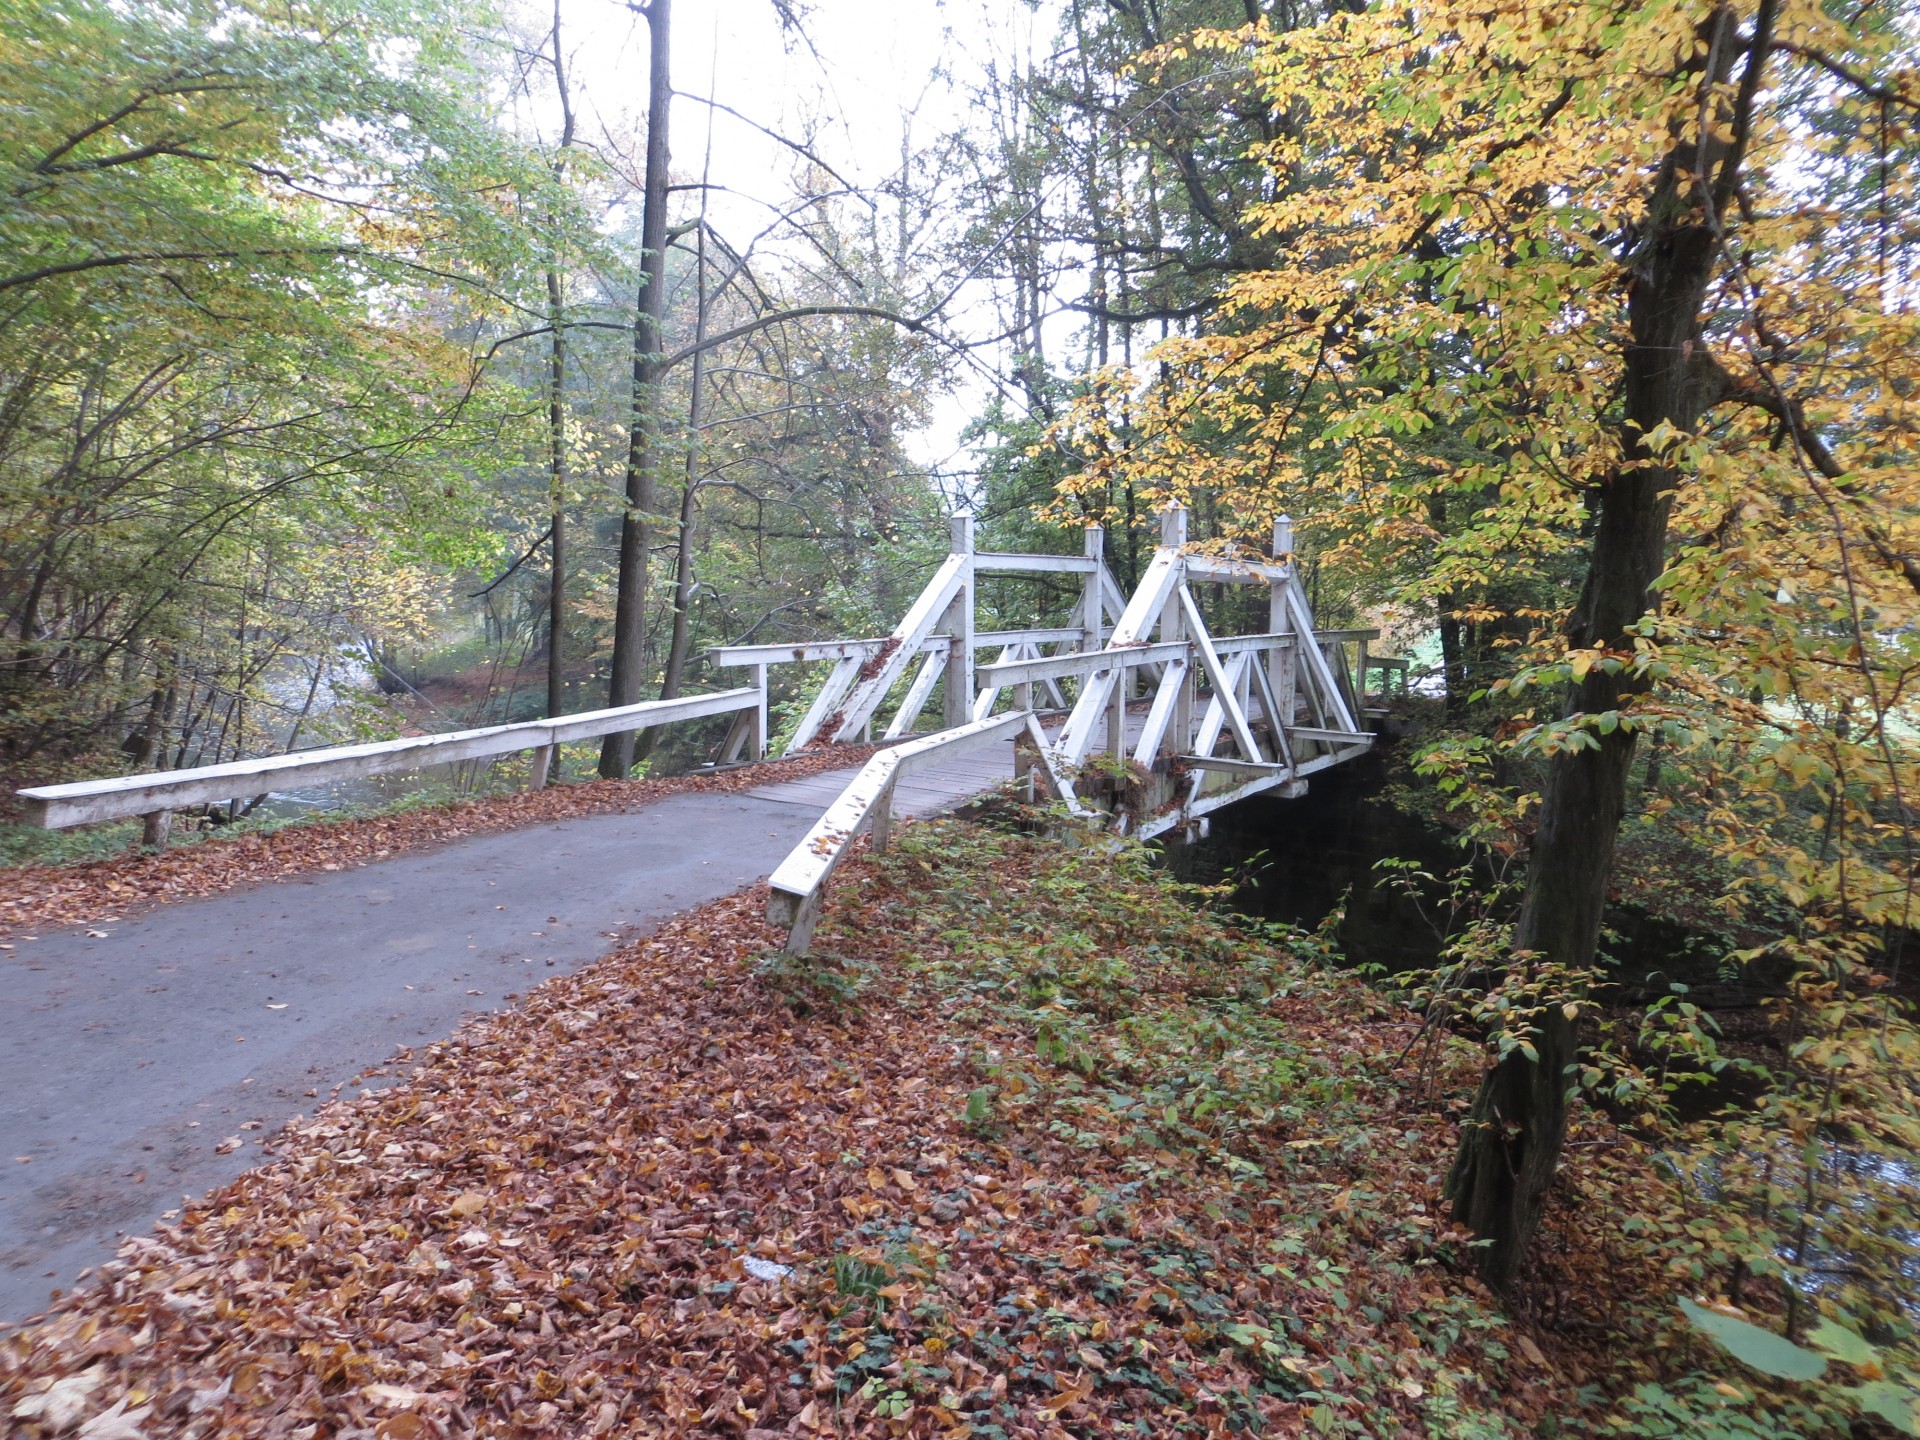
(1295, 861)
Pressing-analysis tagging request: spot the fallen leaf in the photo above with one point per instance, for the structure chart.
(117, 1423)
(394, 1397)
(60, 1406)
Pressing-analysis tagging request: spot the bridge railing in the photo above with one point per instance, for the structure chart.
(156, 794)
(797, 890)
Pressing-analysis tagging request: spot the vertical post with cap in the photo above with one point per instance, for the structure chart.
(1173, 628)
(1281, 663)
(757, 740)
(959, 624)
(1092, 600)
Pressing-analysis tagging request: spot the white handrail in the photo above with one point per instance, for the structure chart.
(54, 807)
(797, 888)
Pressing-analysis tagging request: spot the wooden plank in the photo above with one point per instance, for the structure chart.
(1010, 562)
(1270, 706)
(1040, 635)
(1322, 693)
(1199, 805)
(1225, 645)
(916, 697)
(956, 694)
(1078, 662)
(1362, 738)
(799, 653)
(1228, 766)
(796, 888)
(826, 700)
(55, 807)
(1219, 570)
(989, 692)
(1166, 701)
(589, 723)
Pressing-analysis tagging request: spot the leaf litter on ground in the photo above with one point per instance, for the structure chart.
(964, 1175)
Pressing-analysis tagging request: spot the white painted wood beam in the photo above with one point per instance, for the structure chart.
(917, 693)
(949, 583)
(1166, 704)
(1007, 563)
(1225, 680)
(55, 807)
(826, 701)
(1079, 662)
(797, 888)
(1332, 704)
(799, 653)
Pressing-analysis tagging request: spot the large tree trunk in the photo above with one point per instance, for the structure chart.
(556, 503)
(643, 435)
(1511, 1144)
(690, 494)
(557, 414)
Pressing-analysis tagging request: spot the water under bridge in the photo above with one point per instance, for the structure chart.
(130, 1055)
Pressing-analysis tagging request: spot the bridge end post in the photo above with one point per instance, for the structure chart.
(880, 829)
(757, 739)
(805, 916)
(156, 829)
(1092, 600)
(959, 624)
(1282, 664)
(542, 766)
(1173, 526)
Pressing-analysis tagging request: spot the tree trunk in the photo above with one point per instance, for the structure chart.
(556, 504)
(1511, 1144)
(678, 646)
(643, 434)
(557, 415)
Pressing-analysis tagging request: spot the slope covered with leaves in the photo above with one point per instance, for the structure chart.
(1037, 1147)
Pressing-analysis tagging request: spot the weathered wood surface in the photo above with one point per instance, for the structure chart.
(797, 888)
(82, 802)
(1014, 564)
(1076, 663)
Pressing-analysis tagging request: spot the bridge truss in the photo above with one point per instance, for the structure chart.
(1147, 719)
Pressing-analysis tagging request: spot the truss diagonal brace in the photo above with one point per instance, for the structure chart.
(1225, 688)
(954, 577)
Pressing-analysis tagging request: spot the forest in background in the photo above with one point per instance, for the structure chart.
(346, 338)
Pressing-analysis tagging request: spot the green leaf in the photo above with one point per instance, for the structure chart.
(1762, 1350)
(1892, 1403)
(1841, 1343)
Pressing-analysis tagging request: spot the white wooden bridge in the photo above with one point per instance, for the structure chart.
(1131, 714)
